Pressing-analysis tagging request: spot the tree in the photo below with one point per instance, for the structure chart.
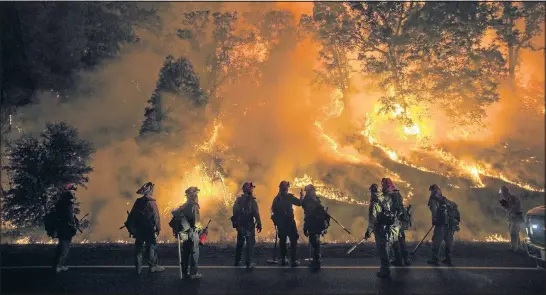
(45, 45)
(329, 25)
(39, 167)
(221, 63)
(417, 52)
(178, 77)
(505, 19)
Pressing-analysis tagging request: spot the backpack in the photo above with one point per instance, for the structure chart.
(448, 214)
(139, 218)
(245, 216)
(387, 216)
(454, 216)
(51, 222)
(179, 224)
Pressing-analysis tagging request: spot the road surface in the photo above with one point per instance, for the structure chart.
(479, 269)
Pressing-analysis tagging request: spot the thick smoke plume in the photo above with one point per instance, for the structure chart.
(284, 127)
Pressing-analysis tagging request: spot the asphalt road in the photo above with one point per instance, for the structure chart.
(479, 269)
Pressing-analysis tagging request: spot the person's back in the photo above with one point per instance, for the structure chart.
(283, 218)
(66, 227)
(443, 228)
(315, 222)
(245, 209)
(246, 219)
(144, 223)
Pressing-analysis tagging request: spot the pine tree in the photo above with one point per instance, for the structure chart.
(177, 77)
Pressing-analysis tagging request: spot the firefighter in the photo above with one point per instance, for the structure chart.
(399, 245)
(246, 219)
(315, 222)
(383, 223)
(445, 219)
(512, 206)
(190, 245)
(283, 218)
(145, 225)
(67, 226)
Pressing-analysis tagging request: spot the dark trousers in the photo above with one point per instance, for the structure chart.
(245, 236)
(61, 252)
(314, 241)
(148, 245)
(288, 231)
(382, 246)
(400, 249)
(190, 254)
(442, 234)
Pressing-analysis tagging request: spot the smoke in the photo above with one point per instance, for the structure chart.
(267, 132)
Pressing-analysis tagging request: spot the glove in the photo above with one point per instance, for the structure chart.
(259, 228)
(367, 235)
(205, 231)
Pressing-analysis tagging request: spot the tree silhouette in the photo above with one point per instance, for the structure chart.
(39, 167)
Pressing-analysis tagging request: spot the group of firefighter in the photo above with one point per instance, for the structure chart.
(388, 221)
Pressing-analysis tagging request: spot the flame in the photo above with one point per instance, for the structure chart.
(345, 154)
(494, 238)
(324, 191)
(208, 145)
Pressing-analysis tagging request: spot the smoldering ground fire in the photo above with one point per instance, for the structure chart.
(270, 122)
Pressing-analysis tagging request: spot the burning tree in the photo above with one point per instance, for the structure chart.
(506, 16)
(39, 167)
(417, 52)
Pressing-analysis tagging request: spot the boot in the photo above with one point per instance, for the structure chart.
(196, 276)
(157, 268)
(295, 263)
(250, 265)
(407, 261)
(238, 256)
(284, 261)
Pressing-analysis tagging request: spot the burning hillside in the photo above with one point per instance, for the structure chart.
(267, 119)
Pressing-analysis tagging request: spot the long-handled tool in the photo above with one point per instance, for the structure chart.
(179, 256)
(274, 260)
(331, 217)
(354, 247)
(417, 247)
(124, 225)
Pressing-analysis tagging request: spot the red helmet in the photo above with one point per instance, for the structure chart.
(387, 183)
(70, 187)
